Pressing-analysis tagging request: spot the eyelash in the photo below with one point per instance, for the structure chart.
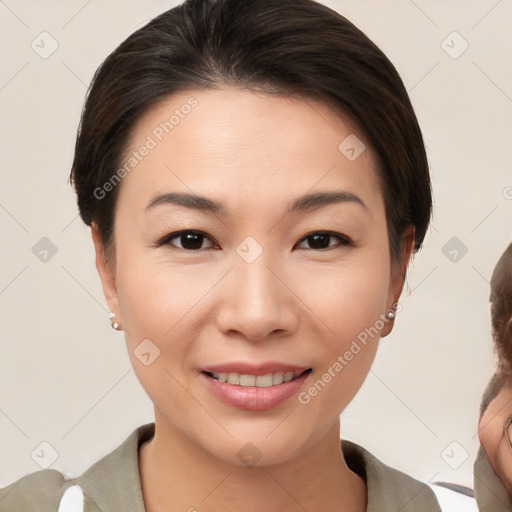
(344, 240)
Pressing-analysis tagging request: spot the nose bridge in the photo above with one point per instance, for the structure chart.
(255, 300)
(255, 283)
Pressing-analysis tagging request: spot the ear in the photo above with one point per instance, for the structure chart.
(106, 272)
(398, 273)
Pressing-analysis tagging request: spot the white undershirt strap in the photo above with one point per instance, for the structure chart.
(72, 500)
(452, 501)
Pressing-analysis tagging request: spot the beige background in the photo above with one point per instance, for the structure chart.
(65, 377)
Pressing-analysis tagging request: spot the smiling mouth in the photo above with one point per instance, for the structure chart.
(259, 381)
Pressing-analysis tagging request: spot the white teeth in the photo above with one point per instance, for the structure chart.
(288, 376)
(260, 381)
(264, 381)
(232, 378)
(278, 378)
(247, 380)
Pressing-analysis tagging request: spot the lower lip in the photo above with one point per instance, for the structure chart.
(252, 398)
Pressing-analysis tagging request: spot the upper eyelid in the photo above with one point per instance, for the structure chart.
(176, 234)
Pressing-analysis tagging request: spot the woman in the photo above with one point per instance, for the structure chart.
(493, 466)
(256, 181)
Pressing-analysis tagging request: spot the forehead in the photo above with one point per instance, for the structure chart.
(211, 141)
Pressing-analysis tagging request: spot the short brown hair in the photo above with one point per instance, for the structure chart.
(287, 47)
(501, 311)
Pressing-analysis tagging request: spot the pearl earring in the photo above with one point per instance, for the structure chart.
(390, 315)
(113, 322)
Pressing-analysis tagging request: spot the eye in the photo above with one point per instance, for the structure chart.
(320, 239)
(192, 240)
(189, 240)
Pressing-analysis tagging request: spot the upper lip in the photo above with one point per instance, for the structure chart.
(245, 368)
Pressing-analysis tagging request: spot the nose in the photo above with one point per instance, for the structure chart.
(257, 301)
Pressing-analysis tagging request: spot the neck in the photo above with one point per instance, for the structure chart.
(178, 475)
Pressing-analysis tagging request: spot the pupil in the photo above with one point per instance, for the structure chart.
(316, 238)
(191, 241)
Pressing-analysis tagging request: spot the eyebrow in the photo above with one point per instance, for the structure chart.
(307, 202)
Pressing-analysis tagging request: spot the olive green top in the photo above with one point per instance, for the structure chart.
(490, 494)
(112, 484)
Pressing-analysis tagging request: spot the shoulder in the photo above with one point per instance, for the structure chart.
(111, 483)
(41, 490)
(388, 489)
(490, 493)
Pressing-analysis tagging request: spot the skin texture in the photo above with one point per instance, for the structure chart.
(255, 153)
(493, 439)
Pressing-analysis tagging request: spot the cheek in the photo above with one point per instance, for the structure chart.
(504, 462)
(153, 295)
(349, 298)
(492, 438)
(349, 304)
(156, 303)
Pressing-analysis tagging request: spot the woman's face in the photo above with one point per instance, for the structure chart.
(262, 283)
(492, 436)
